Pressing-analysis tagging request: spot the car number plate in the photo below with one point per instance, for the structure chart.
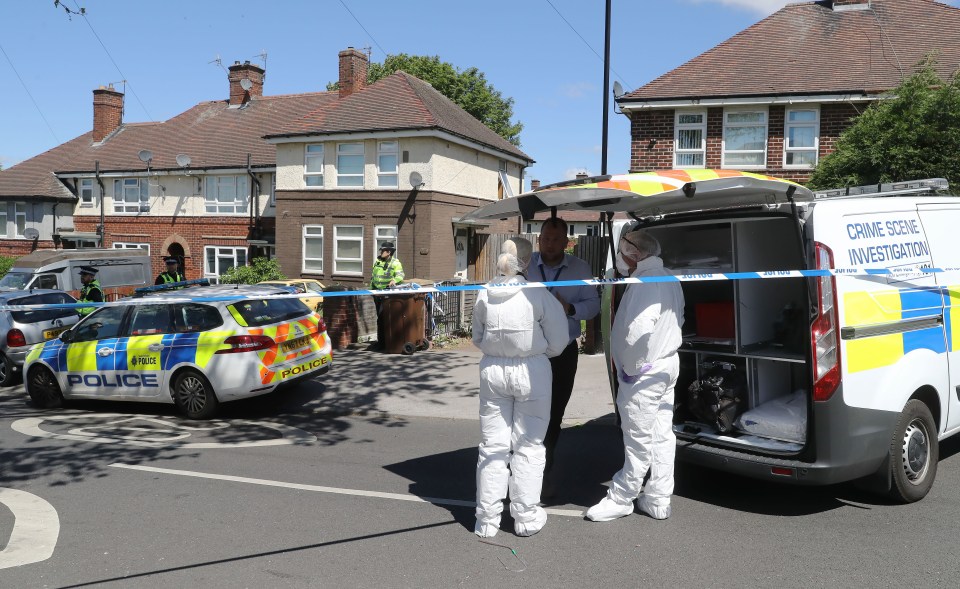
(294, 344)
(52, 333)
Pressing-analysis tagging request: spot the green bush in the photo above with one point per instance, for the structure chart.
(260, 269)
(5, 264)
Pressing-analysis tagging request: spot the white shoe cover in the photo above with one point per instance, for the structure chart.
(531, 527)
(652, 508)
(608, 509)
(486, 530)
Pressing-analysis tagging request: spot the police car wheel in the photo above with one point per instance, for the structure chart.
(194, 396)
(8, 376)
(44, 388)
(914, 453)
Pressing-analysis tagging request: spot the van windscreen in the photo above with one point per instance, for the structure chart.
(267, 311)
(16, 280)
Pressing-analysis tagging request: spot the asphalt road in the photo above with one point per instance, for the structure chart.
(280, 492)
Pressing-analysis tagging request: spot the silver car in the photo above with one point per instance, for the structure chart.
(20, 330)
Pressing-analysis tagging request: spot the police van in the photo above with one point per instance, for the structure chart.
(840, 376)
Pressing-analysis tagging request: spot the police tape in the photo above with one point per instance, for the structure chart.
(903, 274)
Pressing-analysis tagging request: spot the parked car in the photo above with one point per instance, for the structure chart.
(19, 330)
(165, 349)
(311, 289)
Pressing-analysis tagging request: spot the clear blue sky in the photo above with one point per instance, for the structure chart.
(163, 49)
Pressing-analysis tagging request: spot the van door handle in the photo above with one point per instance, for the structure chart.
(155, 347)
(104, 352)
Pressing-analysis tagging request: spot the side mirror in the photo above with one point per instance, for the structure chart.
(67, 336)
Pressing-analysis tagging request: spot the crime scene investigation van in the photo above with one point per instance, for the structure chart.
(818, 379)
(120, 271)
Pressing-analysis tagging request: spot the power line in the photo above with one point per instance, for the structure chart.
(107, 51)
(27, 90)
(585, 41)
(364, 28)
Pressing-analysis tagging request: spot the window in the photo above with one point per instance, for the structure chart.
(150, 320)
(104, 323)
(273, 190)
(313, 286)
(218, 260)
(801, 137)
(226, 195)
(191, 318)
(593, 230)
(267, 311)
(131, 195)
(690, 139)
(348, 249)
(744, 139)
(123, 245)
(313, 249)
(387, 164)
(350, 164)
(20, 218)
(571, 230)
(43, 315)
(529, 227)
(46, 281)
(86, 192)
(4, 231)
(313, 165)
(384, 233)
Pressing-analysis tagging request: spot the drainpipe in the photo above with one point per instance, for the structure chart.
(103, 194)
(54, 213)
(255, 199)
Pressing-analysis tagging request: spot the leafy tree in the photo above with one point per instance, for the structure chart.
(260, 269)
(6, 263)
(913, 134)
(467, 88)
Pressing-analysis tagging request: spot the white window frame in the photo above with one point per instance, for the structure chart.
(217, 272)
(212, 205)
(382, 233)
(273, 190)
(766, 139)
(363, 158)
(678, 126)
(336, 250)
(86, 192)
(395, 174)
(4, 227)
(309, 156)
(128, 245)
(304, 235)
(19, 212)
(815, 125)
(121, 205)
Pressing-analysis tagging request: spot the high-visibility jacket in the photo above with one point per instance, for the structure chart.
(90, 293)
(385, 271)
(167, 278)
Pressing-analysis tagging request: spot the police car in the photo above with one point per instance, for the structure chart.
(179, 347)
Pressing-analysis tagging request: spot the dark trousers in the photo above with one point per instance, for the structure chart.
(378, 303)
(564, 370)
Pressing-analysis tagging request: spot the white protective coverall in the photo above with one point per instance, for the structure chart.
(644, 341)
(517, 330)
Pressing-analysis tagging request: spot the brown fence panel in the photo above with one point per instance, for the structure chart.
(593, 249)
(490, 245)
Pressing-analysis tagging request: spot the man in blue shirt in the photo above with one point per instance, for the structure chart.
(580, 303)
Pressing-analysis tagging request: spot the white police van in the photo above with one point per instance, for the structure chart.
(854, 376)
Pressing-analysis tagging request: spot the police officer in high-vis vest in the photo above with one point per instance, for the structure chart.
(173, 272)
(387, 272)
(91, 291)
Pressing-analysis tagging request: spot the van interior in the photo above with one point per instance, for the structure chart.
(754, 333)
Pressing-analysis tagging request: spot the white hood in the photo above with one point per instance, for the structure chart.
(513, 322)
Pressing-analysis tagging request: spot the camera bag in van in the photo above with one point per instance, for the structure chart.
(716, 397)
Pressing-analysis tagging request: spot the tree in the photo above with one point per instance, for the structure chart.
(467, 88)
(913, 134)
(260, 269)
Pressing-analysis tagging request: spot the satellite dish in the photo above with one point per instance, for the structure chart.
(246, 84)
(145, 155)
(416, 180)
(31, 233)
(617, 89)
(183, 160)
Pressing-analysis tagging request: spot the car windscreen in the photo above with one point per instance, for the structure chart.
(16, 280)
(41, 315)
(266, 311)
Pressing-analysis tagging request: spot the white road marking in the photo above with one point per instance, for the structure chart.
(172, 431)
(321, 489)
(36, 527)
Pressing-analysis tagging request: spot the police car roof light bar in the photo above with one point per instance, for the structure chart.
(171, 286)
(927, 186)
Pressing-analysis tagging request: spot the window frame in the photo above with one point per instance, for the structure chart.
(219, 272)
(815, 125)
(121, 205)
(336, 250)
(724, 152)
(303, 248)
(240, 198)
(377, 239)
(4, 224)
(86, 185)
(363, 159)
(678, 126)
(307, 157)
(129, 245)
(17, 214)
(381, 152)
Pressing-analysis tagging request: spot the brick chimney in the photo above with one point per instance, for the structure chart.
(841, 5)
(107, 112)
(245, 71)
(581, 175)
(353, 71)
(534, 184)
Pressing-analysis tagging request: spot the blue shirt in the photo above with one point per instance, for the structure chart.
(585, 299)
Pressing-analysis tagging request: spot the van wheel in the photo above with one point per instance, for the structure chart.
(914, 453)
(194, 396)
(44, 389)
(8, 377)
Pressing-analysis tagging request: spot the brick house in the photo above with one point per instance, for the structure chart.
(775, 97)
(391, 161)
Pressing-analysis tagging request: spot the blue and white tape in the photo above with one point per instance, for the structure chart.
(903, 274)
